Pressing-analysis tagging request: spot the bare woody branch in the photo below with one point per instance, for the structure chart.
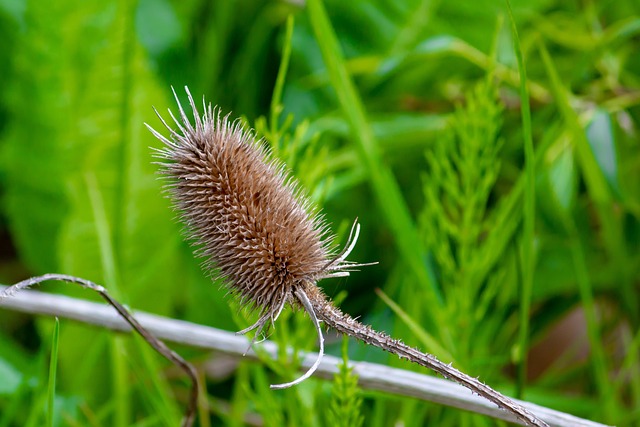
(126, 318)
(371, 376)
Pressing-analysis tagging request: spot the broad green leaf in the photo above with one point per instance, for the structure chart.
(563, 179)
(557, 184)
(35, 152)
(10, 378)
(603, 144)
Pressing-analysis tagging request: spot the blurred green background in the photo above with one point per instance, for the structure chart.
(507, 239)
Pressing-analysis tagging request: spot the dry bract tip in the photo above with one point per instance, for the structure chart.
(246, 216)
(250, 222)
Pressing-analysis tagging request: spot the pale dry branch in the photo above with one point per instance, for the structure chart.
(371, 376)
(6, 293)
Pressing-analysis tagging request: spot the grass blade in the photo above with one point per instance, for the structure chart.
(276, 99)
(527, 248)
(430, 344)
(53, 364)
(598, 188)
(601, 195)
(383, 183)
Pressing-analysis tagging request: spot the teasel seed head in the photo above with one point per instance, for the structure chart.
(246, 216)
(249, 220)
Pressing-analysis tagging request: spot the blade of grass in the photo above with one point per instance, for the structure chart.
(383, 183)
(409, 33)
(203, 404)
(126, 148)
(430, 343)
(34, 419)
(527, 248)
(598, 360)
(155, 387)
(110, 271)
(119, 384)
(599, 190)
(601, 195)
(109, 267)
(53, 364)
(276, 99)
(240, 401)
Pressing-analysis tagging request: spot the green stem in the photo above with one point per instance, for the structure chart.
(53, 364)
(383, 183)
(276, 99)
(528, 261)
(598, 360)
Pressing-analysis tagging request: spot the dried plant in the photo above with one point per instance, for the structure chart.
(155, 343)
(256, 231)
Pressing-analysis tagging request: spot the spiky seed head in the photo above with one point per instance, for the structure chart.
(248, 218)
(243, 212)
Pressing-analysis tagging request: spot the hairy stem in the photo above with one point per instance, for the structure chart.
(343, 323)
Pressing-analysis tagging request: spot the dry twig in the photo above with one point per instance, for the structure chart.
(256, 230)
(157, 345)
(371, 376)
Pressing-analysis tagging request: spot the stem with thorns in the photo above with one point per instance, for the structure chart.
(324, 310)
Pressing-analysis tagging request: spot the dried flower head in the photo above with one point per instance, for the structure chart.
(245, 214)
(249, 220)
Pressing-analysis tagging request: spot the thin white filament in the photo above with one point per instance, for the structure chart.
(261, 323)
(338, 266)
(304, 300)
(351, 243)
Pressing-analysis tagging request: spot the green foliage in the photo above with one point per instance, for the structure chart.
(346, 401)
(53, 367)
(462, 171)
(498, 223)
(463, 168)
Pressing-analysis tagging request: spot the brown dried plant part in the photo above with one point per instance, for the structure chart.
(253, 226)
(155, 343)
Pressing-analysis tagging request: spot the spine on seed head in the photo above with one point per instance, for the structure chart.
(249, 220)
(246, 216)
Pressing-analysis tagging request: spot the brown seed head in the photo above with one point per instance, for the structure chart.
(242, 211)
(248, 219)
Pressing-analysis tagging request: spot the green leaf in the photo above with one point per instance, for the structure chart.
(557, 185)
(35, 154)
(603, 144)
(10, 378)
(53, 365)
(529, 212)
(384, 184)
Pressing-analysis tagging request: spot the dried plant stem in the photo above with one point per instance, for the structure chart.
(157, 345)
(371, 376)
(257, 232)
(336, 319)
